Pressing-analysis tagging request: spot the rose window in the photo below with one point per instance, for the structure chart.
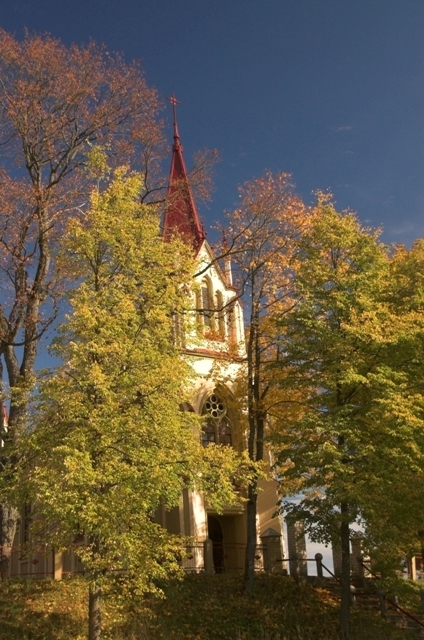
(215, 407)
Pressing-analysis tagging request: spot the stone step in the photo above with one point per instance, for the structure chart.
(368, 601)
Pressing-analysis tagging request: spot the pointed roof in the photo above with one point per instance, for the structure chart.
(181, 214)
(271, 533)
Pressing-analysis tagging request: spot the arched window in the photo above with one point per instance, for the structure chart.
(220, 314)
(231, 324)
(217, 427)
(225, 432)
(205, 306)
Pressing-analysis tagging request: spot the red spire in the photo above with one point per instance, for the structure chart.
(181, 214)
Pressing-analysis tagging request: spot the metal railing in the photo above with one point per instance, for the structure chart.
(31, 563)
(383, 599)
(227, 557)
(40, 562)
(297, 565)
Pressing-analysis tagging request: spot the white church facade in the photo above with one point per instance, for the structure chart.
(221, 346)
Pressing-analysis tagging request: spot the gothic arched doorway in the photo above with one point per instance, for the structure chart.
(216, 535)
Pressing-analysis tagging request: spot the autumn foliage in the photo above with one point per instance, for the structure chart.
(262, 234)
(58, 107)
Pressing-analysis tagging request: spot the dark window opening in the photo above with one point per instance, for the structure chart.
(208, 433)
(225, 433)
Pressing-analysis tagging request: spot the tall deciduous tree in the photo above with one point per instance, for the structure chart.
(55, 104)
(352, 341)
(393, 513)
(262, 233)
(109, 443)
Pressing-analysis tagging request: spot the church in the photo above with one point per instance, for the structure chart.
(219, 538)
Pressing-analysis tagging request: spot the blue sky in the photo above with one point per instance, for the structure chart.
(331, 91)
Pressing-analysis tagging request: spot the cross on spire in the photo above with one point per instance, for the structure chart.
(173, 100)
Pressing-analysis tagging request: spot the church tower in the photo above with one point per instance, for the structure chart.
(220, 342)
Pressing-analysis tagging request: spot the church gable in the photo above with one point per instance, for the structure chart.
(218, 311)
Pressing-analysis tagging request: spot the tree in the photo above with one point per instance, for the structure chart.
(262, 234)
(108, 442)
(56, 103)
(394, 526)
(348, 341)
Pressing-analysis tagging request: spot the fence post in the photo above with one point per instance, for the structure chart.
(357, 557)
(337, 558)
(352, 596)
(318, 560)
(57, 565)
(208, 556)
(271, 541)
(297, 547)
(383, 603)
(294, 565)
(412, 568)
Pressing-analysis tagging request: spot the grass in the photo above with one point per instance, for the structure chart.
(196, 608)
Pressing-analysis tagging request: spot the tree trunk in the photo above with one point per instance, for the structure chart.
(249, 569)
(94, 613)
(345, 548)
(8, 524)
(255, 443)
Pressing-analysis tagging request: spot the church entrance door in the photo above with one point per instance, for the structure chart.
(216, 535)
